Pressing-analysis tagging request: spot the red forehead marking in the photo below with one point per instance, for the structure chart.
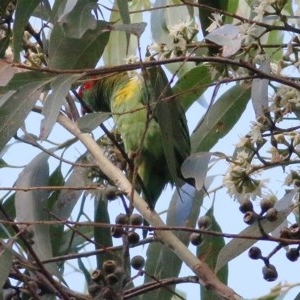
(85, 87)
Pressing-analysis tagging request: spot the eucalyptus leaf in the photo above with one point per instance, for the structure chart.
(136, 29)
(208, 251)
(6, 72)
(33, 205)
(219, 119)
(6, 260)
(77, 18)
(229, 37)
(24, 9)
(60, 87)
(191, 86)
(102, 235)
(259, 91)
(16, 108)
(70, 53)
(91, 121)
(68, 198)
(120, 46)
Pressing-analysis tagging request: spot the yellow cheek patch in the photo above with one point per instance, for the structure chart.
(127, 92)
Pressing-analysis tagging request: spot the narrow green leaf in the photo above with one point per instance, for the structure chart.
(124, 11)
(118, 48)
(259, 91)
(24, 10)
(76, 20)
(191, 86)
(209, 251)
(70, 53)
(68, 198)
(16, 108)
(220, 118)
(33, 205)
(135, 28)
(237, 246)
(6, 72)
(44, 12)
(23, 78)
(91, 121)
(71, 242)
(102, 236)
(6, 258)
(60, 87)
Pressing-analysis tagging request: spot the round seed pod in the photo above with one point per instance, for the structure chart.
(133, 237)
(204, 222)
(254, 253)
(269, 272)
(136, 219)
(246, 205)
(196, 238)
(137, 262)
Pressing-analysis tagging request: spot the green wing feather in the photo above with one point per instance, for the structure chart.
(140, 122)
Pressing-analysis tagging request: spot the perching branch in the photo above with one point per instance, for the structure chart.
(206, 276)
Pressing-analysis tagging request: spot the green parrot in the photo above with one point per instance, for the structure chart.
(157, 145)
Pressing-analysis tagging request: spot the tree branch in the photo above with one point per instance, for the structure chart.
(206, 276)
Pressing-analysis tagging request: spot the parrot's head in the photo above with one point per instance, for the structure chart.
(97, 92)
(86, 94)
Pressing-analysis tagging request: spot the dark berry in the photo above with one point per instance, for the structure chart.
(121, 219)
(111, 279)
(204, 222)
(133, 237)
(266, 204)
(109, 266)
(246, 205)
(137, 262)
(136, 219)
(250, 217)
(269, 272)
(254, 253)
(116, 231)
(292, 254)
(195, 239)
(271, 214)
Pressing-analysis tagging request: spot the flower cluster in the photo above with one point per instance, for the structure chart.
(237, 180)
(285, 101)
(182, 34)
(261, 7)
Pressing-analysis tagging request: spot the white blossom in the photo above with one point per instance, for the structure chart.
(183, 29)
(256, 132)
(217, 21)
